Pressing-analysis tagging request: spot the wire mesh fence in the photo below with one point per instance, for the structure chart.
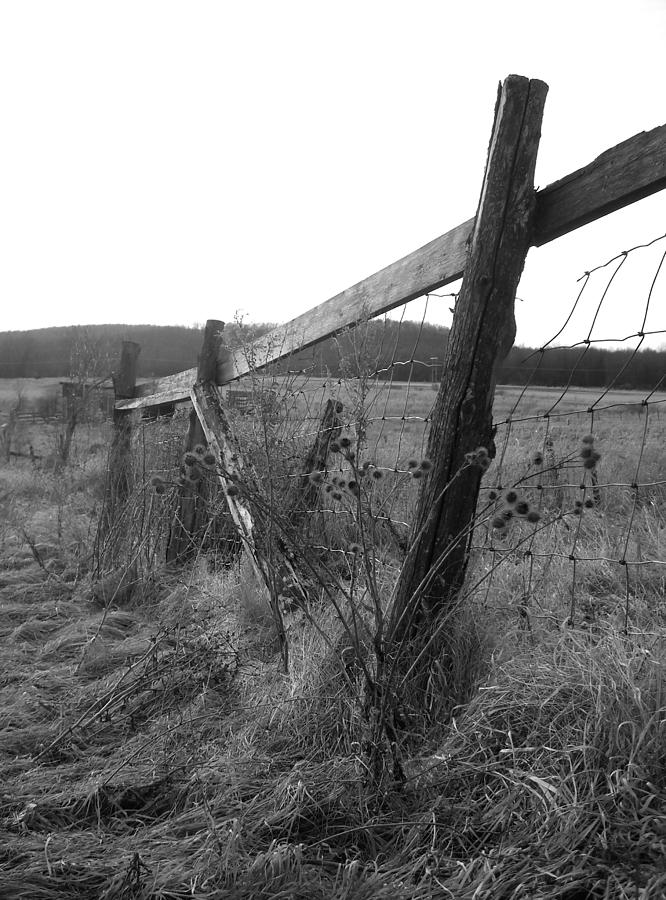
(570, 522)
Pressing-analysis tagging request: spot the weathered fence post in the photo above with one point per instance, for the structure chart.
(124, 387)
(482, 333)
(193, 496)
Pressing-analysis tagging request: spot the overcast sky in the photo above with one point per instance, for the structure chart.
(171, 162)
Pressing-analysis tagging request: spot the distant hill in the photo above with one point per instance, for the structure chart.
(49, 352)
(45, 352)
(418, 348)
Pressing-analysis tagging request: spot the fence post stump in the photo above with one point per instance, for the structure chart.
(481, 335)
(306, 493)
(192, 497)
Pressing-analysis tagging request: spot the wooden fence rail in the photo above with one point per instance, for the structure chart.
(619, 177)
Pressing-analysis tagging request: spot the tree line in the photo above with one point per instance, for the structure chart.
(398, 350)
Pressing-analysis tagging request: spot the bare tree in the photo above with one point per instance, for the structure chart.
(89, 369)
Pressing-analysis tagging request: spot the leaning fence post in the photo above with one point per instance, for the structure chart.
(482, 333)
(222, 443)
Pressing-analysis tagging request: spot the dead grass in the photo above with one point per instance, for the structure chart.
(156, 749)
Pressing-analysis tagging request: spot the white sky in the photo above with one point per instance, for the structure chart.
(169, 162)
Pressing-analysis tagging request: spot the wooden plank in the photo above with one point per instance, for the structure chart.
(432, 266)
(482, 333)
(622, 175)
(207, 404)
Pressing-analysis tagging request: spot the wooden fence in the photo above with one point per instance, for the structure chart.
(488, 252)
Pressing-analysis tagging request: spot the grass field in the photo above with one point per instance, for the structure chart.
(151, 746)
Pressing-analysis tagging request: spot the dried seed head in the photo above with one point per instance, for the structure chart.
(232, 490)
(578, 504)
(345, 442)
(328, 488)
(156, 480)
(208, 459)
(351, 455)
(190, 459)
(511, 497)
(417, 473)
(484, 463)
(425, 464)
(586, 451)
(339, 407)
(355, 549)
(352, 487)
(588, 439)
(199, 449)
(590, 463)
(481, 452)
(533, 516)
(412, 463)
(498, 522)
(334, 447)
(316, 477)
(507, 515)
(537, 459)
(377, 474)
(522, 508)
(160, 488)
(337, 495)
(492, 495)
(589, 503)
